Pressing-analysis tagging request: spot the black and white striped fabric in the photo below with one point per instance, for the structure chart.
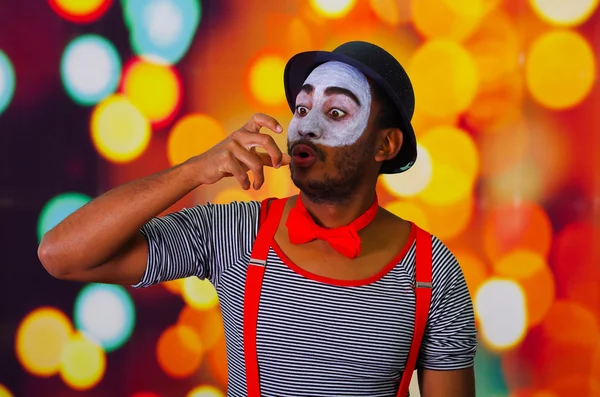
(314, 338)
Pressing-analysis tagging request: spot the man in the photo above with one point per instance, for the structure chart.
(317, 291)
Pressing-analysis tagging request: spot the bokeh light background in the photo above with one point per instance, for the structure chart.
(95, 93)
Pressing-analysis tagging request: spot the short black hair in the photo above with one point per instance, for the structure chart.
(388, 115)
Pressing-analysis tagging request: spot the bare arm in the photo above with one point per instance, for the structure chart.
(454, 383)
(101, 242)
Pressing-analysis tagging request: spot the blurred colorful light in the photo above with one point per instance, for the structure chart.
(450, 220)
(500, 307)
(413, 181)
(452, 177)
(199, 294)
(192, 135)
(82, 363)
(80, 11)
(449, 19)
(534, 276)
(227, 196)
(564, 13)
(179, 351)
(474, 269)
(560, 69)
(120, 132)
(410, 211)
(58, 208)
(41, 338)
(266, 80)
(90, 69)
(154, 89)
(4, 392)
(333, 8)
(205, 391)
(105, 314)
(516, 225)
(391, 12)
(208, 324)
(444, 76)
(217, 362)
(162, 30)
(7, 81)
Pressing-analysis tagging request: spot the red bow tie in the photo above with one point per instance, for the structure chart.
(303, 229)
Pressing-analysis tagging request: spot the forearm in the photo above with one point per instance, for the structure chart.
(99, 230)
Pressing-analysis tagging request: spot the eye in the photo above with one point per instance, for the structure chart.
(301, 110)
(337, 113)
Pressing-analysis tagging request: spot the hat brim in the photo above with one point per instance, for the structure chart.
(301, 65)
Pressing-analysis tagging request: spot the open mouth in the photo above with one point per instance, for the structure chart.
(303, 155)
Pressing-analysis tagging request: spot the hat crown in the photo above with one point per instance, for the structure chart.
(385, 65)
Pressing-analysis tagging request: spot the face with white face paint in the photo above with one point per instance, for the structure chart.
(333, 106)
(326, 137)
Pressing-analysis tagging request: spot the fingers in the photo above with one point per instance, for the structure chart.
(260, 120)
(251, 140)
(265, 158)
(252, 162)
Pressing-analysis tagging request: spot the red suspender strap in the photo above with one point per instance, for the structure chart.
(422, 301)
(254, 278)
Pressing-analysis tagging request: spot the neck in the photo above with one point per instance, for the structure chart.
(332, 215)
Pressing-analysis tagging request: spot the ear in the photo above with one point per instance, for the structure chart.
(390, 143)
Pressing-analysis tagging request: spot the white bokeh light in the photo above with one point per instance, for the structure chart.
(164, 22)
(105, 314)
(501, 308)
(90, 69)
(563, 12)
(411, 182)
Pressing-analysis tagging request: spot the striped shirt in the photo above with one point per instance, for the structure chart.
(314, 337)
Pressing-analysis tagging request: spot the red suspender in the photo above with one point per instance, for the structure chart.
(422, 301)
(254, 278)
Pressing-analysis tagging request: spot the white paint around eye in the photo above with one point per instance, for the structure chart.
(326, 131)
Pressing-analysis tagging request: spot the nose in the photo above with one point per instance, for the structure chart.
(309, 134)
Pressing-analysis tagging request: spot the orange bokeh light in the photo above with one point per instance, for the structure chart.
(208, 324)
(534, 275)
(449, 221)
(516, 225)
(174, 286)
(217, 361)
(474, 269)
(193, 135)
(179, 351)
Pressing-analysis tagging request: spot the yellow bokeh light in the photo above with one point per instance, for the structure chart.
(564, 13)
(41, 338)
(409, 211)
(193, 135)
(266, 80)
(120, 132)
(174, 286)
(449, 19)
(501, 308)
(333, 8)
(455, 165)
(474, 270)
(82, 364)
(199, 294)
(560, 69)
(205, 391)
(413, 181)
(4, 392)
(79, 7)
(154, 89)
(445, 78)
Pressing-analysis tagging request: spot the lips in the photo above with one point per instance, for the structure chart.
(303, 156)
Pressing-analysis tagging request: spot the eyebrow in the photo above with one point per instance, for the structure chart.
(308, 88)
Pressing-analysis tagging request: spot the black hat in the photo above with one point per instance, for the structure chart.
(383, 69)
